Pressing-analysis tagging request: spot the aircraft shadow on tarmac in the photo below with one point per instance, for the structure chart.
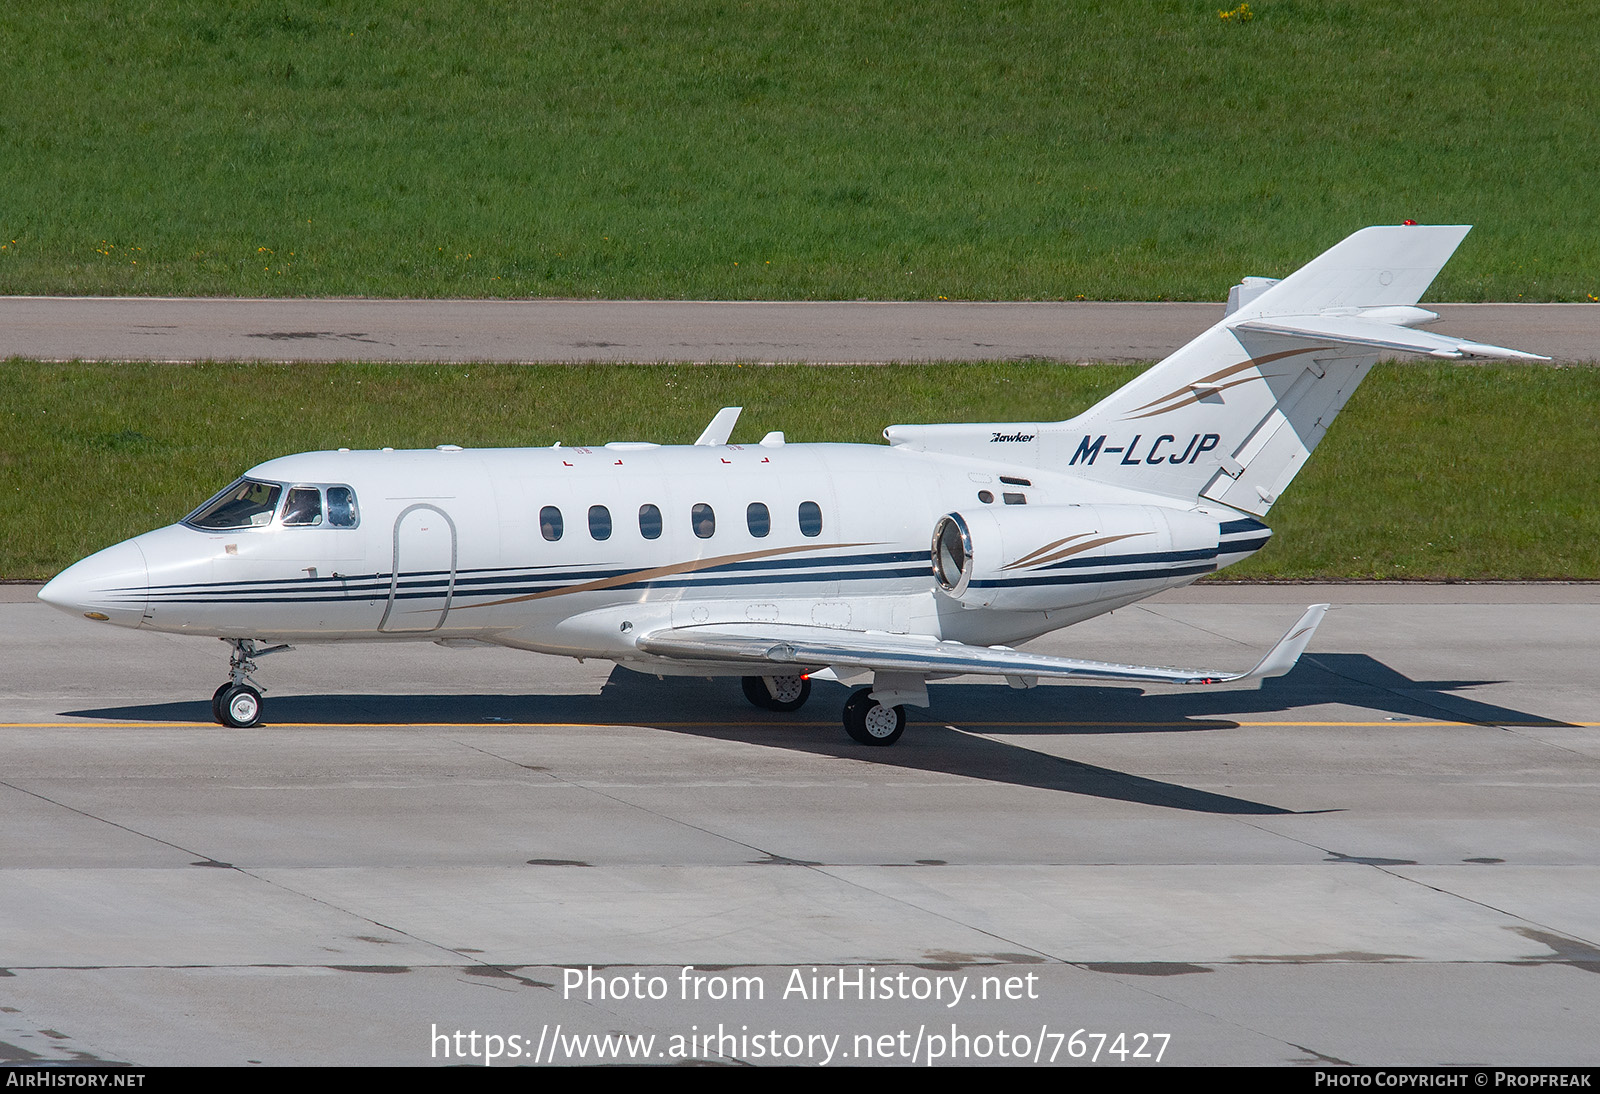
(932, 742)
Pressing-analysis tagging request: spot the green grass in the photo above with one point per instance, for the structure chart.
(704, 148)
(1432, 471)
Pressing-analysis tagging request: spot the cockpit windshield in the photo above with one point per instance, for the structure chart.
(251, 504)
(245, 504)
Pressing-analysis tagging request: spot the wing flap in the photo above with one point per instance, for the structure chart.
(817, 648)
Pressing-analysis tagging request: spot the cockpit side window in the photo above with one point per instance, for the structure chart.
(342, 512)
(245, 504)
(304, 507)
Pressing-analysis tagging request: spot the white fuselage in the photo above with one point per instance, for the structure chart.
(456, 545)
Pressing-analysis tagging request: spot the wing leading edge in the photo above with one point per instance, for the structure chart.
(813, 648)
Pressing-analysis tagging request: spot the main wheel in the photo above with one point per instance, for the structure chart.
(755, 690)
(869, 722)
(240, 706)
(784, 694)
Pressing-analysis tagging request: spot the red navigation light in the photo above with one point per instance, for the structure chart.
(1409, 223)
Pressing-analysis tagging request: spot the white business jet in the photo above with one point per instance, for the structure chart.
(781, 563)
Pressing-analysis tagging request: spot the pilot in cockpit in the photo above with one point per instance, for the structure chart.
(304, 507)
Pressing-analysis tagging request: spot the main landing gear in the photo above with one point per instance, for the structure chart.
(867, 721)
(237, 703)
(784, 694)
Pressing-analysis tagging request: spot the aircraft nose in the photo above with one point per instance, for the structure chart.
(112, 585)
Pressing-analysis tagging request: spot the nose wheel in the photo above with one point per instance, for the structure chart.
(238, 702)
(237, 705)
(869, 722)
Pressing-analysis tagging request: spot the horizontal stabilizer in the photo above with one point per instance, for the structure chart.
(818, 647)
(1356, 331)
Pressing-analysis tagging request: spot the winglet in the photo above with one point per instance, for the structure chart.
(1282, 657)
(721, 427)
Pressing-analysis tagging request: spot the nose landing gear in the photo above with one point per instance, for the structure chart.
(237, 703)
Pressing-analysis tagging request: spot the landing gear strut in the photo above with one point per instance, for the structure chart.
(237, 703)
(781, 693)
(870, 722)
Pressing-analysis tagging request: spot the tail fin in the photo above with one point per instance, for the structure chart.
(1232, 416)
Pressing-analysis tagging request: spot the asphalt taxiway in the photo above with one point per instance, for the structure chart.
(818, 332)
(1389, 856)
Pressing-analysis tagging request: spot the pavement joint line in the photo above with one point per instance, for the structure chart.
(324, 902)
(1514, 728)
(555, 776)
(1086, 966)
(103, 820)
(1143, 984)
(1151, 609)
(239, 869)
(827, 871)
(1237, 817)
(1198, 720)
(1395, 872)
(814, 867)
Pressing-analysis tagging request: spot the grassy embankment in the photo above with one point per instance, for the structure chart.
(1433, 471)
(776, 149)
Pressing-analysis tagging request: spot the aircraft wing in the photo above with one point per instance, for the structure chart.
(810, 648)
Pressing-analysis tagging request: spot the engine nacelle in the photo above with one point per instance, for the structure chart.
(1040, 558)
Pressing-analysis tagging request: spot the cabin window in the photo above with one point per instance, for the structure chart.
(304, 507)
(245, 504)
(649, 521)
(810, 519)
(550, 523)
(703, 520)
(599, 522)
(986, 496)
(342, 507)
(1014, 499)
(759, 520)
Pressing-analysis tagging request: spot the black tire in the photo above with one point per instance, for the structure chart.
(755, 690)
(871, 723)
(240, 706)
(216, 703)
(760, 691)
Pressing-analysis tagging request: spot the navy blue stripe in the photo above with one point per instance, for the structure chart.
(523, 573)
(1089, 579)
(422, 584)
(1132, 560)
(1245, 524)
(287, 596)
(1244, 546)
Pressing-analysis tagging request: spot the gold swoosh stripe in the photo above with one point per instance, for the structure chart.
(1194, 397)
(1218, 375)
(1076, 549)
(1025, 559)
(668, 571)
